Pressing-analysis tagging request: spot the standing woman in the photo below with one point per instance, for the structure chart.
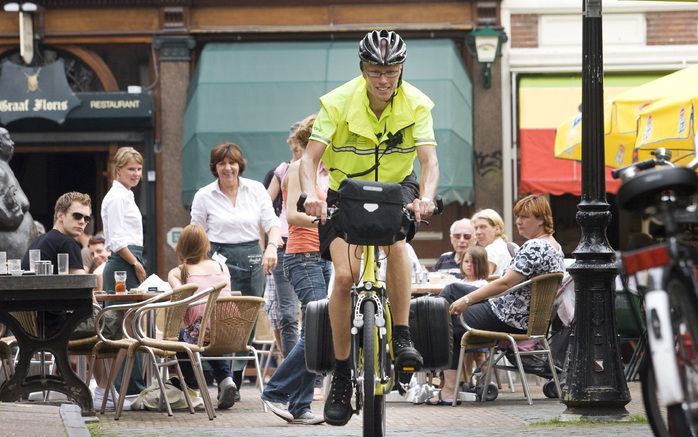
(232, 210)
(123, 224)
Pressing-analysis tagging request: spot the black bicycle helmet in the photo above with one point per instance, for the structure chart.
(370, 48)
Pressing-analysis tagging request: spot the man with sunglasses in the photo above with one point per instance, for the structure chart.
(371, 128)
(462, 238)
(71, 214)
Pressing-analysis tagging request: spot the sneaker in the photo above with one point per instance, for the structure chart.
(308, 418)
(279, 408)
(338, 408)
(226, 395)
(407, 357)
(98, 396)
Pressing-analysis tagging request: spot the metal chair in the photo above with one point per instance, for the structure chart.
(128, 343)
(543, 290)
(167, 347)
(265, 341)
(231, 323)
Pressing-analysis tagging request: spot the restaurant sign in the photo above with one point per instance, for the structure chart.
(35, 92)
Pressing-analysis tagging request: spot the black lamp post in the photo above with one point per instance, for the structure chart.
(595, 381)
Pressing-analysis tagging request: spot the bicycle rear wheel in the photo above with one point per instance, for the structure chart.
(369, 369)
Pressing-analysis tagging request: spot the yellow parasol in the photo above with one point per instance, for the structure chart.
(621, 116)
(668, 123)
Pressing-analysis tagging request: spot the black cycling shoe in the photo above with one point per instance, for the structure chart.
(407, 357)
(338, 408)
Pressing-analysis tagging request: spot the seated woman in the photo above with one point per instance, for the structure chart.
(540, 254)
(196, 267)
(475, 270)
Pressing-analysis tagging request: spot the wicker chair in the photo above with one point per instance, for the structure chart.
(543, 290)
(232, 322)
(106, 347)
(167, 347)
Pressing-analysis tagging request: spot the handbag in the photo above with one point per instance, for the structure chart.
(370, 213)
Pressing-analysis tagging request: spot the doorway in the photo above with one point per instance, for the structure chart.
(45, 173)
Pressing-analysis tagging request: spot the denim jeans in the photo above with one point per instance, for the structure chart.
(288, 306)
(309, 275)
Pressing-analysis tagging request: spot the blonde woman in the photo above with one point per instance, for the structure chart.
(123, 224)
(489, 232)
(197, 267)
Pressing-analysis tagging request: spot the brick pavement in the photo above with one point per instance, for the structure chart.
(509, 415)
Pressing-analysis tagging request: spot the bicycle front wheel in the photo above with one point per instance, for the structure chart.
(369, 368)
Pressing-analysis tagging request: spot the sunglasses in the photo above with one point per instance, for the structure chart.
(77, 216)
(462, 236)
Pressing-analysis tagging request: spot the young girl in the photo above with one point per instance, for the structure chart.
(475, 267)
(196, 267)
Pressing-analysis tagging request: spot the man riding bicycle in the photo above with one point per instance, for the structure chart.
(371, 128)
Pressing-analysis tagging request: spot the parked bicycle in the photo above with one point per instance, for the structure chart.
(372, 358)
(670, 378)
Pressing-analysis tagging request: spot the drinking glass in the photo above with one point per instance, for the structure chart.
(63, 264)
(14, 267)
(120, 281)
(3, 263)
(34, 256)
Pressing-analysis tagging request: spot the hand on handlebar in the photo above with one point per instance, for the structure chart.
(312, 206)
(421, 209)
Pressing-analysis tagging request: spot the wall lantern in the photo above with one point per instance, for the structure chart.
(485, 43)
(26, 27)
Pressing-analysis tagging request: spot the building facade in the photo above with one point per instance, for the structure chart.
(174, 77)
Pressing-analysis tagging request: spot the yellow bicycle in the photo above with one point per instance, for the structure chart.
(372, 358)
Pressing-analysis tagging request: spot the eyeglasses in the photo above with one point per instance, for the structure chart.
(463, 236)
(77, 216)
(376, 74)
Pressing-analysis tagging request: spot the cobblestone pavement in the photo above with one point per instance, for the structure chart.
(509, 415)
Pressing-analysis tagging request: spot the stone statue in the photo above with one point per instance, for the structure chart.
(16, 224)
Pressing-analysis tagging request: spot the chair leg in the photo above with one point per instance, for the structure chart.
(130, 360)
(551, 363)
(199, 374)
(161, 384)
(259, 376)
(524, 382)
(459, 370)
(116, 365)
(183, 383)
(488, 374)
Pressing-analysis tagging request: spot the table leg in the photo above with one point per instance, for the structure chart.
(66, 381)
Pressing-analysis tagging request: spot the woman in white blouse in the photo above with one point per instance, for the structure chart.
(123, 225)
(489, 232)
(232, 210)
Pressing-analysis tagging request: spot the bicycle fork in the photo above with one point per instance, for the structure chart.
(661, 339)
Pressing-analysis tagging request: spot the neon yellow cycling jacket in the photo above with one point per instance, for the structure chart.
(350, 129)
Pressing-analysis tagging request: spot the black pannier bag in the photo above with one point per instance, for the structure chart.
(319, 352)
(369, 212)
(432, 331)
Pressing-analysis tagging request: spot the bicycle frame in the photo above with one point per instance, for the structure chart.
(372, 290)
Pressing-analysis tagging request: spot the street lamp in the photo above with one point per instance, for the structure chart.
(485, 43)
(26, 27)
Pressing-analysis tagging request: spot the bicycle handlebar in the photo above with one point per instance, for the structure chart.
(438, 203)
(642, 165)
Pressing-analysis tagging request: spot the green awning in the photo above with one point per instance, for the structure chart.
(250, 93)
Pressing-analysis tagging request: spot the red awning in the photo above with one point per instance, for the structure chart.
(542, 173)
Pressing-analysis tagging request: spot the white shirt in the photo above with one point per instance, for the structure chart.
(498, 254)
(231, 224)
(121, 218)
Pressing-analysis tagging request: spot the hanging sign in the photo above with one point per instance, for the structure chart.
(35, 92)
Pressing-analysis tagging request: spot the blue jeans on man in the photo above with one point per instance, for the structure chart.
(292, 383)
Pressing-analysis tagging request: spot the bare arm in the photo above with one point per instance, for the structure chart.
(174, 278)
(293, 188)
(274, 188)
(428, 182)
(308, 169)
(498, 286)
